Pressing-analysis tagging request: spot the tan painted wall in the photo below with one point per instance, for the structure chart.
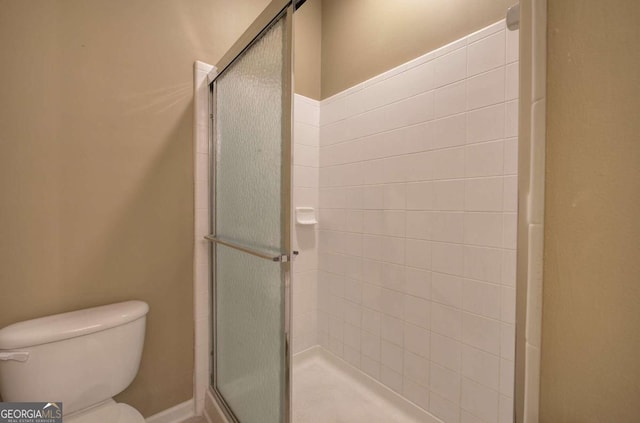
(96, 165)
(363, 38)
(308, 39)
(591, 312)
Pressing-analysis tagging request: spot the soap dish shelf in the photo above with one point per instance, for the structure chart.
(306, 216)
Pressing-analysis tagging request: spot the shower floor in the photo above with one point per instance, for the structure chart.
(328, 390)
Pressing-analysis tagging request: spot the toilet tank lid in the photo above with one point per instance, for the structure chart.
(70, 325)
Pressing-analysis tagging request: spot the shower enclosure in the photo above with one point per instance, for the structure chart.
(404, 287)
(250, 153)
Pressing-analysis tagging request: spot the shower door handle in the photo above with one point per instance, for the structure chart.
(283, 258)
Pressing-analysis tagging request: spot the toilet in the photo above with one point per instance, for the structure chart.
(81, 358)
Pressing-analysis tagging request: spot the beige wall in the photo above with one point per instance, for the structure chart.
(96, 165)
(591, 312)
(363, 38)
(308, 39)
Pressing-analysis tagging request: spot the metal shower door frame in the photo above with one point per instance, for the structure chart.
(276, 10)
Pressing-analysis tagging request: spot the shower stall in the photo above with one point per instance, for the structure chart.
(392, 296)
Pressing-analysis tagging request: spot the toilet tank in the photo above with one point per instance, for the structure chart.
(81, 358)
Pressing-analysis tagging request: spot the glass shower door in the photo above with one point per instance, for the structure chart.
(251, 199)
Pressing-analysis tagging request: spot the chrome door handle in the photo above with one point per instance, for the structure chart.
(282, 258)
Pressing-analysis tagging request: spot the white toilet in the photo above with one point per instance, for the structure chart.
(82, 358)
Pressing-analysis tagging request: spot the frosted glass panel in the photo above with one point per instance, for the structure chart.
(249, 149)
(250, 350)
(249, 291)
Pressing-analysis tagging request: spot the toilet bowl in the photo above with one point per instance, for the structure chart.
(81, 358)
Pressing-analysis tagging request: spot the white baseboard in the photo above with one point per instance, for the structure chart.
(175, 414)
(212, 412)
